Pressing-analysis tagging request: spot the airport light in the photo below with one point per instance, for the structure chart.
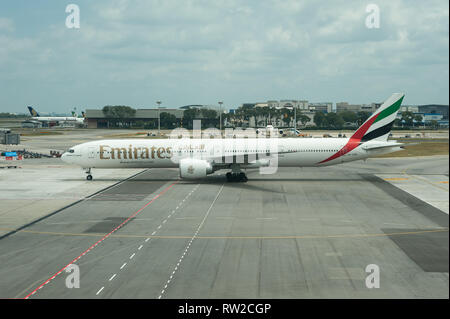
(295, 120)
(159, 118)
(220, 117)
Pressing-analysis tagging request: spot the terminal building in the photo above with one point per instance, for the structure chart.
(97, 119)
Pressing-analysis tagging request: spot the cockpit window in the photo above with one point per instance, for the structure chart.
(71, 150)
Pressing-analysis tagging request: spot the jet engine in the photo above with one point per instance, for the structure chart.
(191, 168)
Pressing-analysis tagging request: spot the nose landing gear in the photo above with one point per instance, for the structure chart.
(88, 171)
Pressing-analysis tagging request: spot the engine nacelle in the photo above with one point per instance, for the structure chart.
(191, 168)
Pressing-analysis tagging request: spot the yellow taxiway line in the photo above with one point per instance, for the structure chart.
(439, 230)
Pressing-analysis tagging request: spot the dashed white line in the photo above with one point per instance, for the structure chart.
(192, 239)
(159, 227)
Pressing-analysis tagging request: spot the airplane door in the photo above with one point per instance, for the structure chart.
(91, 152)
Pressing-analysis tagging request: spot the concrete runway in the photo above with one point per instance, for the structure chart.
(301, 233)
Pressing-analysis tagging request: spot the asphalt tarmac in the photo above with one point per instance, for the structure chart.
(301, 233)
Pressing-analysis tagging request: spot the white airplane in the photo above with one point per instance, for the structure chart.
(197, 157)
(35, 116)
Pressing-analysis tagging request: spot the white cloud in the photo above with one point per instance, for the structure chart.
(6, 25)
(201, 49)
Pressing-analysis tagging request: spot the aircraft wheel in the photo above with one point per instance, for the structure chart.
(242, 177)
(89, 177)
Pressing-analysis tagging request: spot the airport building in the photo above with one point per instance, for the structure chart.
(325, 107)
(97, 119)
(434, 109)
(345, 106)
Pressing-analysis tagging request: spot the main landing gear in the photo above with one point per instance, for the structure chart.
(88, 171)
(236, 177)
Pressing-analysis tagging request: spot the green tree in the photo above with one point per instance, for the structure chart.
(335, 120)
(320, 119)
(118, 111)
(168, 120)
(418, 118)
(434, 124)
(189, 115)
(348, 116)
(362, 117)
(119, 115)
(303, 119)
(209, 117)
(286, 115)
(408, 118)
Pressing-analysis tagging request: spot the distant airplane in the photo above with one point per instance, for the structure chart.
(196, 158)
(35, 116)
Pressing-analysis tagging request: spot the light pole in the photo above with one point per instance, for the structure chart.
(159, 118)
(295, 120)
(220, 117)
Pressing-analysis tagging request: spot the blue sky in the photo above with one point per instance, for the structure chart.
(199, 52)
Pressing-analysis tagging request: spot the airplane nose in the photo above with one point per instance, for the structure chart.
(64, 157)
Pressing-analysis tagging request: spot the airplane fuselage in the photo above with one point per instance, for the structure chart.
(166, 153)
(58, 119)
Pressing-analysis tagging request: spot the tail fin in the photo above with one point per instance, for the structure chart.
(379, 124)
(33, 111)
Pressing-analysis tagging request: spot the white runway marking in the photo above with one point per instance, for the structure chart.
(190, 241)
(153, 233)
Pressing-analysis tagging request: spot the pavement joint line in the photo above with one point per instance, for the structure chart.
(424, 180)
(195, 235)
(104, 237)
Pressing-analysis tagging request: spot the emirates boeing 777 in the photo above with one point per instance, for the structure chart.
(198, 157)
